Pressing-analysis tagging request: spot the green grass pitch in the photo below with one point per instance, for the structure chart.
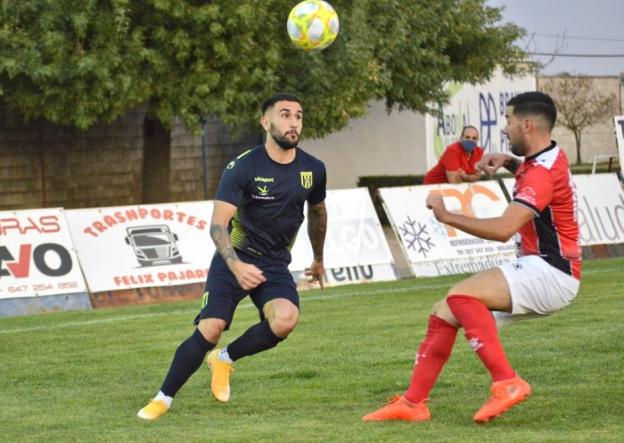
(82, 376)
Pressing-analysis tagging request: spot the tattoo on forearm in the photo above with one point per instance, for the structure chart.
(512, 165)
(221, 238)
(317, 226)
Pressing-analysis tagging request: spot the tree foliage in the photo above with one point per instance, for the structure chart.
(80, 62)
(579, 105)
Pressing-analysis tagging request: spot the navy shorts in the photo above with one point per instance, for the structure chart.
(224, 293)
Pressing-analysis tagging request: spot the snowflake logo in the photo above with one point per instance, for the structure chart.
(438, 228)
(416, 236)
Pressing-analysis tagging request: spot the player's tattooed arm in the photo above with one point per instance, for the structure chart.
(317, 227)
(247, 275)
(512, 164)
(221, 215)
(221, 238)
(490, 163)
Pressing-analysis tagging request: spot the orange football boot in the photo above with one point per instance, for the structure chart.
(505, 394)
(400, 408)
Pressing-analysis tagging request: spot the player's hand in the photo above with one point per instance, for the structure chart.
(435, 202)
(490, 163)
(316, 272)
(247, 275)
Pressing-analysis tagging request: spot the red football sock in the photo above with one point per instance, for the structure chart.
(481, 332)
(433, 353)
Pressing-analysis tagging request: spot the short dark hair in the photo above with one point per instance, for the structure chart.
(534, 103)
(279, 97)
(468, 127)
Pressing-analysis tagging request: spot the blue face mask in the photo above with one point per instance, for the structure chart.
(469, 145)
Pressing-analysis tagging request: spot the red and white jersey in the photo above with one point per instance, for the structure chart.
(544, 184)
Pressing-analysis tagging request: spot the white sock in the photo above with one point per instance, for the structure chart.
(224, 356)
(164, 398)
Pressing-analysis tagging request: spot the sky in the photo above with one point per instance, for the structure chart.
(585, 27)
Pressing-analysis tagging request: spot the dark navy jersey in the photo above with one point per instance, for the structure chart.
(270, 197)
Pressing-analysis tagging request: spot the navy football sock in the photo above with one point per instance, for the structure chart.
(256, 339)
(187, 359)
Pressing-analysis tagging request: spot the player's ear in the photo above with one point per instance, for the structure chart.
(264, 122)
(527, 123)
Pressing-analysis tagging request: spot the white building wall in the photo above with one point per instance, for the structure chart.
(377, 144)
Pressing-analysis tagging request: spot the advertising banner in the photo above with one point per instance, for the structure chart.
(355, 245)
(143, 246)
(433, 248)
(619, 136)
(600, 208)
(37, 257)
(481, 106)
(349, 275)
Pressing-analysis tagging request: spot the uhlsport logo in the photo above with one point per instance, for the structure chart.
(306, 179)
(263, 190)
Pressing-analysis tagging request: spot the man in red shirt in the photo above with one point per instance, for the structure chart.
(457, 163)
(543, 280)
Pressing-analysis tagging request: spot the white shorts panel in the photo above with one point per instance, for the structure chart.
(537, 287)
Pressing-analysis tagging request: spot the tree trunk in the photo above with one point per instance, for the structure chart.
(577, 138)
(156, 161)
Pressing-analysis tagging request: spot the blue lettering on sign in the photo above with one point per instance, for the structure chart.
(503, 98)
(446, 123)
(487, 115)
(504, 142)
(353, 273)
(621, 123)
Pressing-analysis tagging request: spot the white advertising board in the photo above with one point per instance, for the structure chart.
(482, 106)
(37, 257)
(355, 245)
(619, 136)
(348, 275)
(600, 208)
(143, 246)
(433, 248)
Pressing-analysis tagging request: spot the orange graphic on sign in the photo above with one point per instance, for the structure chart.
(465, 201)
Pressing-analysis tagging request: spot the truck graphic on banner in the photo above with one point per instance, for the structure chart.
(154, 245)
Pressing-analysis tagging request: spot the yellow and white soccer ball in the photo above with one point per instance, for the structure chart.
(313, 25)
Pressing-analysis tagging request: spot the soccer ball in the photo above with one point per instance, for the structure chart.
(313, 25)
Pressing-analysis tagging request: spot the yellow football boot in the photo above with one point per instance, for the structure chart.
(221, 370)
(153, 410)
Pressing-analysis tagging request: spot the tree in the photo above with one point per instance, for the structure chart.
(78, 62)
(579, 105)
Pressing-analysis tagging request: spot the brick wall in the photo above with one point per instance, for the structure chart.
(187, 178)
(43, 165)
(20, 185)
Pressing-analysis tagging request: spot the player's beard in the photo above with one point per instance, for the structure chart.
(282, 140)
(519, 147)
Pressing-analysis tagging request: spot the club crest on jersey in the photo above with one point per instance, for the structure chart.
(306, 179)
